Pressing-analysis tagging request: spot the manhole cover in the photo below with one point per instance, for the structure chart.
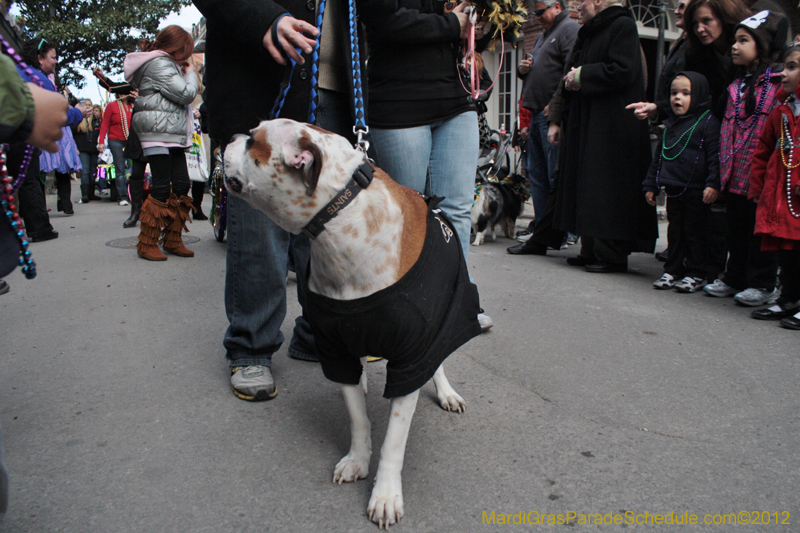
(130, 242)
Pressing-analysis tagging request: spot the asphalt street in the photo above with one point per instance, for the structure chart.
(593, 394)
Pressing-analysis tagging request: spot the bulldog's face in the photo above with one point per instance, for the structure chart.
(278, 169)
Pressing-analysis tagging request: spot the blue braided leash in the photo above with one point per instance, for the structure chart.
(312, 115)
(360, 128)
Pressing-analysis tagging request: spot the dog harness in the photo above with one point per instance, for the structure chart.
(414, 324)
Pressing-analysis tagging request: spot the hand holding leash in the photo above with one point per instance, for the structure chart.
(286, 36)
(465, 13)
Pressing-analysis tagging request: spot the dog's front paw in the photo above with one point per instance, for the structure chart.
(451, 401)
(352, 467)
(386, 503)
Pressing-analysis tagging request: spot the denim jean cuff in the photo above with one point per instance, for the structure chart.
(249, 361)
(303, 356)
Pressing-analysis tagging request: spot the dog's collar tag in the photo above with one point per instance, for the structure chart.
(361, 179)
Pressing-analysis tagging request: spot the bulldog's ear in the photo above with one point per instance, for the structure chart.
(311, 168)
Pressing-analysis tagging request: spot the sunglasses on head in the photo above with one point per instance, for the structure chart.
(540, 12)
(41, 42)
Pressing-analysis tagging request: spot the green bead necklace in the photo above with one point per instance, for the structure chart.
(688, 132)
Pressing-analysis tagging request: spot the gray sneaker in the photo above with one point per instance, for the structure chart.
(666, 281)
(720, 289)
(253, 383)
(754, 297)
(688, 284)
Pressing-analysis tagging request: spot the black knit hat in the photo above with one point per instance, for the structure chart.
(769, 29)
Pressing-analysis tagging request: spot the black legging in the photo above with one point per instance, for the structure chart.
(32, 204)
(137, 170)
(748, 267)
(169, 172)
(63, 186)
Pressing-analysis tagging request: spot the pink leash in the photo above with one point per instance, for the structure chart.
(475, 91)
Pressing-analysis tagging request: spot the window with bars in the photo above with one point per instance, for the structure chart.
(503, 89)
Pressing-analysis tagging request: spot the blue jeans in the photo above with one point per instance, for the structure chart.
(119, 167)
(435, 160)
(255, 287)
(256, 266)
(542, 159)
(88, 170)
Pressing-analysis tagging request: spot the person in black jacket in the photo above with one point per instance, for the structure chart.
(244, 70)
(86, 138)
(687, 166)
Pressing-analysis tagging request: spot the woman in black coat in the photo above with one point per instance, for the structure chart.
(605, 150)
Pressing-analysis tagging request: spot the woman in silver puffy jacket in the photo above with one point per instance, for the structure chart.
(167, 84)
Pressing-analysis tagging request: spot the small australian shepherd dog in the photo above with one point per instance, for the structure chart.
(498, 203)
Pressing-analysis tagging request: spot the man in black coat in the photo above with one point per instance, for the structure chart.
(246, 47)
(606, 150)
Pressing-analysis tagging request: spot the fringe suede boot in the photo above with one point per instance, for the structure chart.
(154, 217)
(178, 216)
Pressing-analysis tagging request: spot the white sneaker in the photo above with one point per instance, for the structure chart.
(253, 383)
(720, 289)
(688, 284)
(525, 238)
(754, 297)
(666, 281)
(485, 321)
(123, 202)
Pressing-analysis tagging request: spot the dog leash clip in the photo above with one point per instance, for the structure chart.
(361, 143)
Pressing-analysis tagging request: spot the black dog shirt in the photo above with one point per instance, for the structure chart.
(414, 324)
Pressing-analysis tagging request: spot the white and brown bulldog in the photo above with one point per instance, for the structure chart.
(387, 278)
